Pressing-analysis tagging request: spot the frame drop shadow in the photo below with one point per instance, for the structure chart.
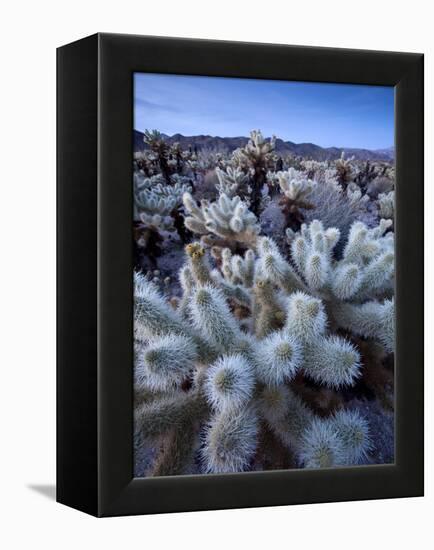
(48, 491)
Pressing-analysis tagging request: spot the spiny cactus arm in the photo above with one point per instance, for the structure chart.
(167, 361)
(230, 218)
(355, 196)
(152, 136)
(198, 264)
(230, 382)
(196, 220)
(295, 186)
(386, 205)
(143, 393)
(268, 313)
(272, 265)
(306, 319)
(227, 218)
(218, 215)
(362, 244)
(247, 268)
(176, 191)
(232, 182)
(377, 276)
(371, 320)
(153, 317)
(381, 230)
(354, 433)
(367, 267)
(258, 145)
(161, 416)
(286, 414)
(346, 280)
(187, 283)
(157, 222)
(238, 293)
(157, 204)
(178, 448)
(154, 209)
(212, 318)
(317, 270)
(237, 269)
(256, 153)
(230, 441)
(277, 359)
(312, 253)
(332, 361)
(321, 446)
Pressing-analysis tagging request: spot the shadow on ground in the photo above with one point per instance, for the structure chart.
(48, 491)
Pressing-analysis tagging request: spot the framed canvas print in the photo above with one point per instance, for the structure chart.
(240, 275)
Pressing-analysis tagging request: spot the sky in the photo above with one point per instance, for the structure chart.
(340, 115)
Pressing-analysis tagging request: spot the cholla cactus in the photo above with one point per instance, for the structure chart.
(193, 165)
(226, 222)
(236, 269)
(233, 182)
(236, 374)
(256, 157)
(314, 169)
(353, 430)
(356, 289)
(386, 205)
(142, 182)
(210, 158)
(355, 196)
(144, 163)
(157, 209)
(178, 155)
(321, 447)
(257, 357)
(154, 202)
(153, 206)
(370, 171)
(345, 170)
(154, 217)
(366, 172)
(295, 196)
(157, 144)
(235, 277)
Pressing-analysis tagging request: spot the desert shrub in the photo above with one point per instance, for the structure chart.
(379, 185)
(332, 207)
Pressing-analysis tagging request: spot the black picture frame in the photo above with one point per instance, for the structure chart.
(95, 266)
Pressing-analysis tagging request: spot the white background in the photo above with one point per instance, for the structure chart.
(29, 33)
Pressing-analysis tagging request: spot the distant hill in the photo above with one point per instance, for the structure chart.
(307, 150)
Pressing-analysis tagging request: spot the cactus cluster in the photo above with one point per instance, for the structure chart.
(295, 188)
(232, 182)
(256, 158)
(224, 222)
(259, 349)
(386, 205)
(219, 379)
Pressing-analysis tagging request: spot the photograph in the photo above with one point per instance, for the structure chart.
(217, 230)
(263, 242)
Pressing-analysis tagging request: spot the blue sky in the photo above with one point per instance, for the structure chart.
(338, 115)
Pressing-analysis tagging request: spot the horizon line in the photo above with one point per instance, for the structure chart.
(269, 137)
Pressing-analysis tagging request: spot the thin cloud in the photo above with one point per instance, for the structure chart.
(141, 102)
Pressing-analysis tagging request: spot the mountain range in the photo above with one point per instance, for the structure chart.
(307, 150)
